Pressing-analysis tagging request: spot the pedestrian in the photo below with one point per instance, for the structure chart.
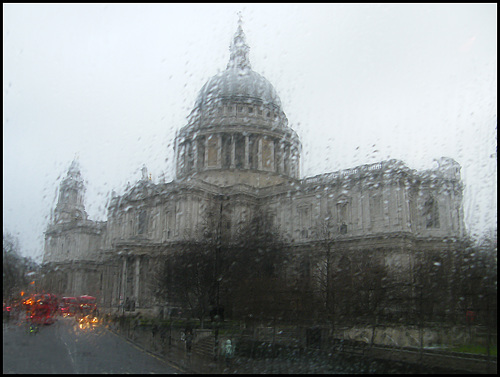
(189, 340)
(228, 351)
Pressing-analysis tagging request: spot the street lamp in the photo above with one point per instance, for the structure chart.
(217, 278)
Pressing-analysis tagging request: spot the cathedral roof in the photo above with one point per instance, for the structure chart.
(238, 81)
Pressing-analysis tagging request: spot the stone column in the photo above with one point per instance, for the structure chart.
(286, 159)
(195, 154)
(295, 158)
(247, 152)
(205, 162)
(281, 159)
(259, 153)
(180, 157)
(219, 150)
(124, 281)
(137, 278)
(233, 151)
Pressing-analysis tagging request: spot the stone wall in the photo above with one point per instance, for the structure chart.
(409, 336)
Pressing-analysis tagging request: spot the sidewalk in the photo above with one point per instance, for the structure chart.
(374, 360)
(195, 363)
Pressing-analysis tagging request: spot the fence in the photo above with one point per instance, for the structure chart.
(261, 342)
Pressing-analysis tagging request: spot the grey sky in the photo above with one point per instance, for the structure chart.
(359, 83)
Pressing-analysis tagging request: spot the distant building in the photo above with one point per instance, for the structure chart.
(237, 145)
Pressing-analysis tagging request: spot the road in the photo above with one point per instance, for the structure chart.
(64, 347)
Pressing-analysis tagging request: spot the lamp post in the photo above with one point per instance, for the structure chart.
(327, 238)
(329, 297)
(217, 318)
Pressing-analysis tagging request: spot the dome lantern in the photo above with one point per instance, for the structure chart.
(239, 50)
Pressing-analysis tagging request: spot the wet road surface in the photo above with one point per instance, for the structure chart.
(64, 347)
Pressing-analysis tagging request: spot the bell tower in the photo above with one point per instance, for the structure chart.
(70, 205)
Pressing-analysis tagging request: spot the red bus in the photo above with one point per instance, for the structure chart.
(88, 304)
(42, 308)
(69, 306)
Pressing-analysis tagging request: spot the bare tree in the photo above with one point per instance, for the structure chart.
(325, 237)
(187, 278)
(15, 268)
(253, 265)
(214, 270)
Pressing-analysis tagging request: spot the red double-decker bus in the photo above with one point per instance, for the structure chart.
(88, 304)
(42, 308)
(69, 306)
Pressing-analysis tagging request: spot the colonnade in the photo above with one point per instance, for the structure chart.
(238, 151)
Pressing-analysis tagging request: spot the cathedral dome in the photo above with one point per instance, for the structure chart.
(237, 84)
(238, 132)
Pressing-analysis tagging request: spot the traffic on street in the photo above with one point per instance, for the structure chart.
(70, 345)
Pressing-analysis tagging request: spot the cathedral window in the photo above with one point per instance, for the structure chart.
(253, 159)
(267, 154)
(239, 153)
(78, 215)
(273, 219)
(376, 209)
(142, 226)
(304, 221)
(343, 228)
(180, 157)
(200, 147)
(189, 157)
(343, 215)
(431, 213)
(226, 151)
(179, 215)
(130, 227)
(278, 157)
(286, 157)
(250, 110)
(166, 229)
(305, 270)
(212, 146)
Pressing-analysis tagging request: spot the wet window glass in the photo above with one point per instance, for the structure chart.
(227, 188)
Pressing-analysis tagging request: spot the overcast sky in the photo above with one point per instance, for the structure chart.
(111, 84)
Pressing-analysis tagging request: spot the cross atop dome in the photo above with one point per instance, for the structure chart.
(239, 49)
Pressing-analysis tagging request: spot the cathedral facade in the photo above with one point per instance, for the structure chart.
(238, 153)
